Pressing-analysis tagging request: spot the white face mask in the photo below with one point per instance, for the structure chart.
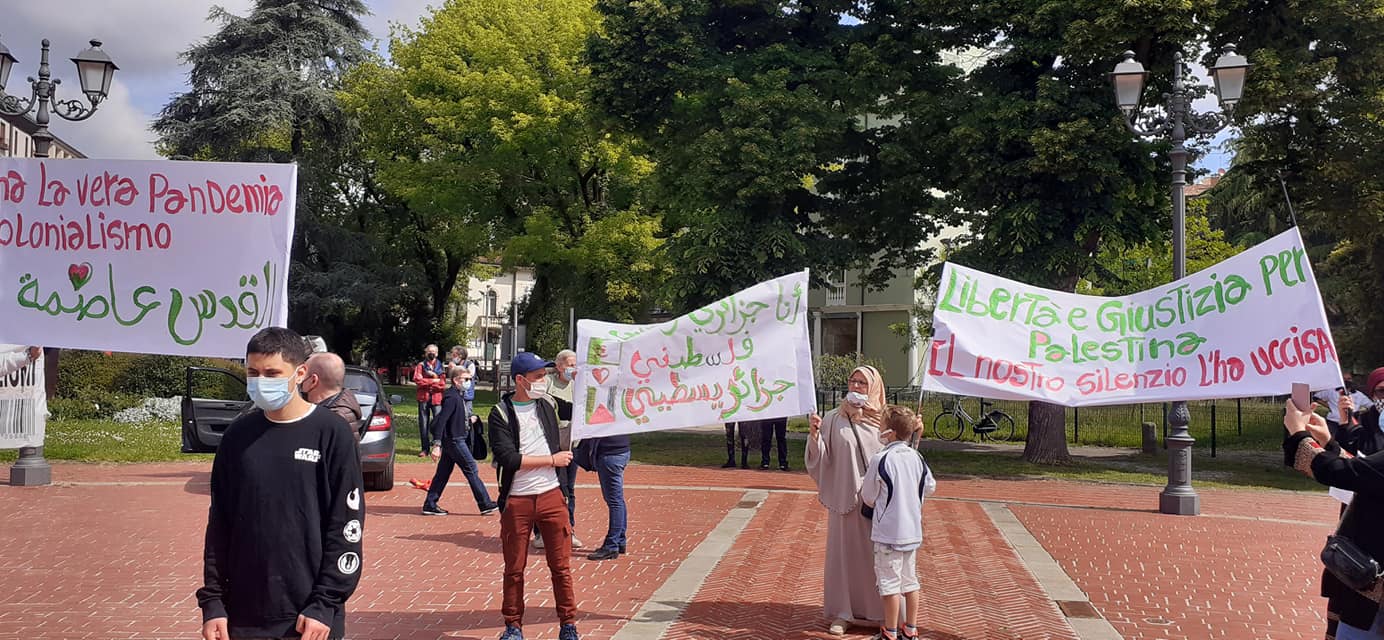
(538, 388)
(857, 399)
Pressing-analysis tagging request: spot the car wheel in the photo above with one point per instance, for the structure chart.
(381, 481)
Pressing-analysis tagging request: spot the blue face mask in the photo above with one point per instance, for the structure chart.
(571, 373)
(270, 394)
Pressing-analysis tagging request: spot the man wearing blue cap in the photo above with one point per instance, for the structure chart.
(526, 445)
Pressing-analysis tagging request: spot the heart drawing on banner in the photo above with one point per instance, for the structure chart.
(79, 274)
(601, 375)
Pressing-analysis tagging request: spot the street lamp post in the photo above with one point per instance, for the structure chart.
(95, 70)
(1128, 79)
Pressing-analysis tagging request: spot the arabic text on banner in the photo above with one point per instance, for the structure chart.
(1250, 326)
(745, 357)
(181, 258)
(23, 404)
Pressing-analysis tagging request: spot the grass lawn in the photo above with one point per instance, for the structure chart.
(104, 441)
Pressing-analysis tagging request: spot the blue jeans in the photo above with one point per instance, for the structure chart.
(426, 412)
(1375, 632)
(456, 453)
(611, 471)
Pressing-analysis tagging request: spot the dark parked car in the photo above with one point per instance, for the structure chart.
(214, 397)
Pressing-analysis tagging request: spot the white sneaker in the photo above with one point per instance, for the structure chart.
(537, 543)
(838, 627)
(576, 542)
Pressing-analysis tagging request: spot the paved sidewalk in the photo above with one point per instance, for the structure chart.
(113, 551)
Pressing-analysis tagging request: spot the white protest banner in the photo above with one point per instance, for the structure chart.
(745, 357)
(23, 403)
(1250, 326)
(181, 258)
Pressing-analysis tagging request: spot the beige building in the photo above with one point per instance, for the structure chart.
(16, 140)
(490, 310)
(848, 318)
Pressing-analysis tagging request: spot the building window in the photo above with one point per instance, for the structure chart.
(491, 303)
(836, 291)
(838, 336)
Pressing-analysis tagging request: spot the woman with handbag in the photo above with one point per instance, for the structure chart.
(839, 445)
(1351, 581)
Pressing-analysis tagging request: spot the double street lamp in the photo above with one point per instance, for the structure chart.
(95, 70)
(1177, 123)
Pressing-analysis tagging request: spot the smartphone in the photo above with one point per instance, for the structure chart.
(1302, 397)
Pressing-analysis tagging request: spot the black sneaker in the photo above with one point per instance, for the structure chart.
(434, 511)
(489, 510)
(730, 464)
(783, 467)
(763, 466)
(568, 632)
(604, 554)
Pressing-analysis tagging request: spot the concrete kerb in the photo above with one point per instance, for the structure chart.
(1054, 581)
(667, 604)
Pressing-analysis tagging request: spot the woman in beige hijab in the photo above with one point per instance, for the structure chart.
(838, 446)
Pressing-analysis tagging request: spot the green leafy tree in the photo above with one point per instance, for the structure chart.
(263, 89)
(1039, 166)
(1148, 265)
(481, 123)
(763, 119)
(1310, 116)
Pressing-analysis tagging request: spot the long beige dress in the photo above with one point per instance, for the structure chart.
(833, 462)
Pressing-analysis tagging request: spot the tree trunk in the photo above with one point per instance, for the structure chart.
(1046, 442)
(1047, 434)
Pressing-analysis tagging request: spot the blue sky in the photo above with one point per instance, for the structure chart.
(144, 37)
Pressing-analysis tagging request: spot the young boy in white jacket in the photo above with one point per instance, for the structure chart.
(896, 480)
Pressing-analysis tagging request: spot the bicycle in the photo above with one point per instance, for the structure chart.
(992, 425)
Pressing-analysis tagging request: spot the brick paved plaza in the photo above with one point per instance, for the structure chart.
(114, 552)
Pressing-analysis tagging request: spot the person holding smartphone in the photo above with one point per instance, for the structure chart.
(1309, 448)
(1331, 399)
(1362, 435)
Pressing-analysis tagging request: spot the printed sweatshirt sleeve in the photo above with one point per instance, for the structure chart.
(343, 526)
(214, 555)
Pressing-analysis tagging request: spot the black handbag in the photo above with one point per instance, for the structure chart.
(584, 454)
(475, 441)
(1350, 564)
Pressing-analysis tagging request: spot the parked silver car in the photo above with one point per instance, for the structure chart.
(206, 418)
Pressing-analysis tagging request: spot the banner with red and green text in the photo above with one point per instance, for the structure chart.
(1249, 326)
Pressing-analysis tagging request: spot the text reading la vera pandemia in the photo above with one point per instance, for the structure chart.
(90, 227)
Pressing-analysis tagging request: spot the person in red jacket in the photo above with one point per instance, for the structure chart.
(430, 378)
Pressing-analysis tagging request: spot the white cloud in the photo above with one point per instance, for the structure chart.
(144, 37)
(386, 13)
(118, 129)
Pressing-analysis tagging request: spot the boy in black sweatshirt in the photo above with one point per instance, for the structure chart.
(283, 544)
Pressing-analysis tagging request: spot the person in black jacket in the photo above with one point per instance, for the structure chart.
(1364, 436)
(1310, 449)
(525, 443)
(450, 432)
(283, 540)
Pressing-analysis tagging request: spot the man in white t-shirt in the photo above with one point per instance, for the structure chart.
(525, 443)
